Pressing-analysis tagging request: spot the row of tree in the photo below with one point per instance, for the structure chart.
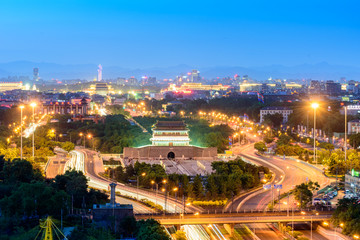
(227, 179)
(347, 213)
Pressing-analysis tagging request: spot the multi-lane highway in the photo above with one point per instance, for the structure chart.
(288, 173)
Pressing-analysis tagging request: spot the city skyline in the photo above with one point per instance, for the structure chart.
(141, 34)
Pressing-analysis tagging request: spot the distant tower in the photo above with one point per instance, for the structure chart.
(99, 78)
(35, 74)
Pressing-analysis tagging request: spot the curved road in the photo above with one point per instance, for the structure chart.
(93, 166)
(287, 172)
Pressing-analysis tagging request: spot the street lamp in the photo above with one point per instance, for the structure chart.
(345, 142)
(21, 131)
(175, 189)
(165, 191)
(157, 187)
(81, 134)
(33, 105)
(315, 106)
(90, 137)
(137, 183)
(53, 131)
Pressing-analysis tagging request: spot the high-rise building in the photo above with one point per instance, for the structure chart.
(333, 88)
(35, 74)
(195, 76)
(99, 77)
(132, 81)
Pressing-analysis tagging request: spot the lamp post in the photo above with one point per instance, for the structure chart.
(345, 142)
(54, 132)
(137, 183)
(21, 132)
(157, 187)
(81, 134)
(175, 189)
(33, 105)
(164, 190)
(315, 106)
(90, 137)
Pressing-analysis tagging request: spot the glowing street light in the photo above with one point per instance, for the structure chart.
(157, 187)
(315, 106)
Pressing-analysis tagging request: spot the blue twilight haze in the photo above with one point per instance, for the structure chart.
(140, 34)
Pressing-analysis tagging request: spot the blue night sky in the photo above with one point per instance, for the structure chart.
(163, 33)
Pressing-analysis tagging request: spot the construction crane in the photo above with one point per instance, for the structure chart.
(47, 229)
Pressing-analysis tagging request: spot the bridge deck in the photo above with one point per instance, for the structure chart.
(236, 218)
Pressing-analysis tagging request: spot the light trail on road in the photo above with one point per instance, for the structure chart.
(195, 232)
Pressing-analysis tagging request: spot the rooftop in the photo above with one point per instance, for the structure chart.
(275, 108)
(170, 125)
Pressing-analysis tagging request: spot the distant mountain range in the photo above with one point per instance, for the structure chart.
(48, 71)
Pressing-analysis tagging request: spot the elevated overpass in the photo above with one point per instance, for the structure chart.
(237, 218)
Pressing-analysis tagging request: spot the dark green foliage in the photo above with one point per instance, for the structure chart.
(75, 185)
(197, 187)
(268, 139)
(90, 233)
(34, 198)
(354, 140)
(260, 146)
(128, 227)
(348, 213)
(17, 171)
(273, 120)
(26, 196)
(284, 140)
(229, 178)
(327, 146)
(289, 150)
(304, 192)
(111, 137)
(150, 230)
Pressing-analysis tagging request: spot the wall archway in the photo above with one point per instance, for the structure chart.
(171, 155)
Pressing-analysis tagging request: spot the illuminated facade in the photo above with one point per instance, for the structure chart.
(200, 86)
(170, 140)
(8, 86)
(284, 111)
(170, 133)
(56, 107)
(100, 88)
